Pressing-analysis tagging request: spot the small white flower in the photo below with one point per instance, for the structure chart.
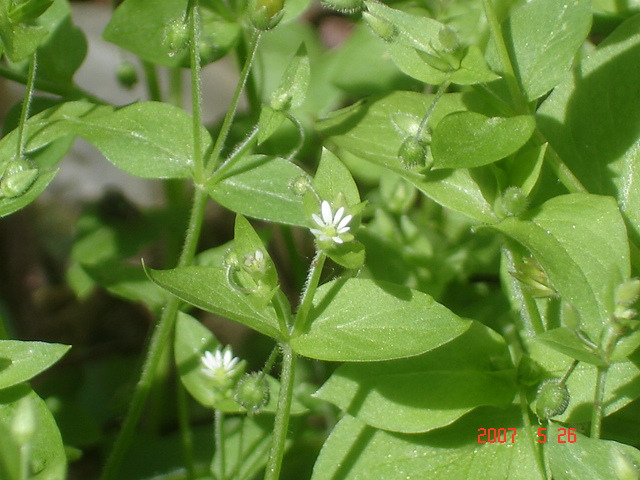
(254, 263)
(332, 227)
(220, 365)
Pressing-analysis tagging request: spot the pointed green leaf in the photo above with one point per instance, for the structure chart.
(295, 82)
(358, 320)
(27, 359)
(333, 179)
(268, 122)
(544, 36)
(469, 139)
(208, 288)
(355, 451)
(564, 340)
(581, 242)
(430, 390)
(259, 186)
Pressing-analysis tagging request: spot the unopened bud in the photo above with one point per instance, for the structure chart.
(381, 27)
(552, 399)
(413, 153)
(628, 292)
(534, 279)
(448, 39)
(18, 177)
(265, 14)
(300, 185)
(252, 392)
(127, 75)
(176, 37)
(514, 202)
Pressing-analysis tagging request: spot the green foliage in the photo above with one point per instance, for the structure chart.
(22, 361)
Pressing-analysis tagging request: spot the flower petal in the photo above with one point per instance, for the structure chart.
(344, 222)
(338, 215)
(327, 215)
(318, 220)
(337, 239)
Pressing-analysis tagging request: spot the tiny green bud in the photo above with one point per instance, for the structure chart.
(413, 153)
(176, 37)
(344, 6)
(23, 424)
(448, 39)
(281, 100)
(265, 14)
(552, 399)
(381, 27)
(18, 177)
(628, 292)
(252, 392)
(514, 202)
(127, 75)
(300, 185)
(534, 279)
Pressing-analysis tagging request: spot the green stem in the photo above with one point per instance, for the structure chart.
(309, 291)
(212, 164)
(159, 339)
(151, 78)
(566, 176)
(281, 423)
(236, 155)
(423, 124)
(186, 439)
(301, 136)
(505, 60)
(196, 88)
(219, 441)
(270, 361)
(528, 428)
(569, 371)
(598, 402)
(26, 103)
(175, 86)
(71, 92)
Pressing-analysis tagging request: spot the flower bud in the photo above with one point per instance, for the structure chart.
(628, 292)
(127, 75)
(534, 279)
(552, 399)
(18, 177)
(255, 263)
(413, 153)
(265, 14)
(514, 201)
(176, 37)
(448, 39)
(252, 392)
(381, 27)
(344, 6)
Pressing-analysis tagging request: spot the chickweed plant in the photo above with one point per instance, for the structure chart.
(428, 235)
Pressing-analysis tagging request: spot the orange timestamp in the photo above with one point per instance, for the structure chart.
(508, 435)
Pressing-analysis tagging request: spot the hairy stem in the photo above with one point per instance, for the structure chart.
(219, 442)
(528, 428)
(26, 104)
(315, 270)
(196, 88)
(598, 402)
(281, 423)
(213, 161)
(423, 124)
(151, 79)
(186, 438)
(566, 176)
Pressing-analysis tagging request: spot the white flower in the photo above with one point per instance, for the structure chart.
(220, 365)
(255, 262)
(332, 227)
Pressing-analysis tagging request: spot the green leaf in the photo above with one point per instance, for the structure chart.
(293, 88)
(209, 289)
(358, 320)
(260, 187)
(544, 36)
(523, 169)
(27, 359)
(355, 451)
(9, 455)
(28, 10)
(140, 27)
(48, 459)
(473, 69)
(565, 340)
(191, 342)
(622, 385)
(374, 130)
(591, 458)
(469, 139)
(20, 40)
(595, 128)
(246, 242)
(148, 139)
(428, 391)
(580, 240)
(268, 122)
(333, 181)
